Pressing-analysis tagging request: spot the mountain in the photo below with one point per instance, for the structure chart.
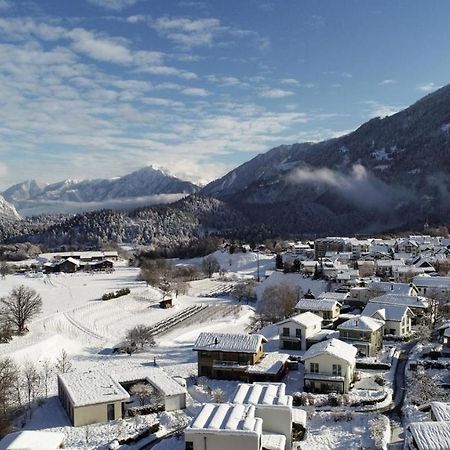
(7, 211)
(143, 187)
(390, 173)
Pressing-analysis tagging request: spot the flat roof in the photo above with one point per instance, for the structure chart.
(270, 364)
(32, 440)
(92, 387)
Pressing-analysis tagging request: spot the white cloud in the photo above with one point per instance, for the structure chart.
(386, 82)
(5, 4)
(196, 92)
(275, 93)
(114, 5)
(428, 87)
(377, 109)
(291, 81)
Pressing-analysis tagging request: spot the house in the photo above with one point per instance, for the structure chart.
(428, 436)
(327, 308)
(435, 286)
(365, 333)
(272, 405)
(339, 296)
(91, 397)
(397, 318)
(166, 303)
(330, 366)
(32, 440)
(294, 332)
(226, 426)
(385, 287)
(238, 357)
(88, 256)
(420, 306)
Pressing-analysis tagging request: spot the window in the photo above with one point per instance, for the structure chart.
(286, 331)
(337, 370)
(189, 445)
(110, 411)
(314, 367)
(392, 331)
(298, 332)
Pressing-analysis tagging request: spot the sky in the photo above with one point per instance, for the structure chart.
(99, 88)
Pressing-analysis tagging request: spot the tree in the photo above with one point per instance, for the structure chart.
(8, 383)
(424, 389)
(218, 395)
(142, 391)
(279, 262)
(277, 302)
(32, 381)
(210, 265)
(140, 335)
(22, 304)
(244, 291)
(46, 374)
(63, 364)
(4, 269)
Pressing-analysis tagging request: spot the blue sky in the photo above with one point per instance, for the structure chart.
(98, 88)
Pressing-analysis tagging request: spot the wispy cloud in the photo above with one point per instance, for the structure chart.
(5, 5)
(275, 93)
(113, 5)
(386, 82)
(377, 109)
(291, 81)
(428, 87)
(195, 92)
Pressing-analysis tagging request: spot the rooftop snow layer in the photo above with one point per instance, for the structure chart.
(92, 387)
(314, 304)
(362, 323)
(270, 364)
(393, 313)
(226, 417)
(432, 282)
(394, 288)
(412, 301)
(262, 394)
(306, 319)
(32, 440)
(273, 441)
(431, 435)
(441, 411)
(333, 347)
(225, 342)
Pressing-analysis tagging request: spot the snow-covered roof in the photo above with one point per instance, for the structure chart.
(394, 288)
(447, 332)
(432, 282)
(413, 301)
(271, 363)
(226, 417)
(32, 440)
(394, 313)
(361, 323)
(340, 296)
(155, 376)
(332, 347)
(270, 441)
(322, 335)
(262, 394)
(299, 416)
(92, 387)
(441, 411)
(225, 342)
(71, 260)
(314, 304)
(307, 319)
(431, 435)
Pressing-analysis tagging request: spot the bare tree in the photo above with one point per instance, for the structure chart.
(63, 364)
(22, 304)
(210, 265)
(142, 391)
(180, 288)
(4, 269)
(277, 302)
(8, 383)
(218, 395)
(32, 381)
(47, 373)
(245, 291)
(424, 389)
(140, 335)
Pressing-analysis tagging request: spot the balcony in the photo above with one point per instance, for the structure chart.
(230, 365)
(324, 376)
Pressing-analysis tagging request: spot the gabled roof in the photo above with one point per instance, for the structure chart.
(306, 319)
(441, 411)
(262, 394)
(314, 304)
(226, 417)
(340, 296)
(413, 301)
(394, 313)
(431, 435)
(362, 323)
(432, 282)
(333, 347)
(225, 342)
(393, 288)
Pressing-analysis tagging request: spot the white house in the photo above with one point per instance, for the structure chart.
(294, 332)
(397, 318)
(328, 309)
(226, 426)
(272, 405)
(330, 366)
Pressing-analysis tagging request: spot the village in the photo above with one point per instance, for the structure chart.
(337, 343)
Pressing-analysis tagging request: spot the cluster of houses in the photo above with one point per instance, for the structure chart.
(70, 262)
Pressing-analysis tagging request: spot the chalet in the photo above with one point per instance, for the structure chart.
(365, 333)
(328, 309)
(420, 306)
(238, 357)
(397, 318)
(226, 426)
(91, 397)
(294, 332)
(330, 367)
(272, 405)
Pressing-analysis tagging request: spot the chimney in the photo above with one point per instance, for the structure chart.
(216, 341)
(392, 287)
